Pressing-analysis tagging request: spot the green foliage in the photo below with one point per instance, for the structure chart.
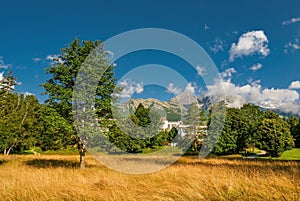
(55, 131)
(8, 82)
(171, 134)
(239, 129)
(294, 124)
(91, 70)
(274, 134)
(227, 143)
(142, 116)
(137, 132)
(59, 87)
(18, 119)
(250, 127)
(251, 116)
(192, 118)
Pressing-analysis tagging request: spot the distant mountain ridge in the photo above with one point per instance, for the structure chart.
(173, 108)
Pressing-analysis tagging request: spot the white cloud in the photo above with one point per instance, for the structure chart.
(3, 65)
(227, 74)
(285, 100)
(54, 59)
(254, 42)
(1, 75)
(292, 46)
(256, 67)
(291, 21)
(217, 46)
(173, 90)
(295, 85)
(110, 54)
(190, 88)
(188, 95)
(129, 88)
(206, 27)
(201, 70)
(28, 93)
(36, 59)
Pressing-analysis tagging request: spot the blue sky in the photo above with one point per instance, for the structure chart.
(254, 44)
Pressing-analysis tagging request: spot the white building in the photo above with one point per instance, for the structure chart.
(171, 124)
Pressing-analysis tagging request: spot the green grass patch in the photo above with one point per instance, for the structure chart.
(293, 154)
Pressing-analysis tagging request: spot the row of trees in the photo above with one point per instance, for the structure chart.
(250, 127)
(139, 131)
(24, 122)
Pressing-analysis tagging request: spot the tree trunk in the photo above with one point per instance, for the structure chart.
(82, 161)
(8, 151)
(82, 150)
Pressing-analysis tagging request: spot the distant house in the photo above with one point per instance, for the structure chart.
(168, 125)
(171, 124)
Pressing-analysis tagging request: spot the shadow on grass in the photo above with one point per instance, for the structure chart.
(53, 163)
(2, 161)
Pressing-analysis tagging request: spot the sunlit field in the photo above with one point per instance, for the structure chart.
(54, 177)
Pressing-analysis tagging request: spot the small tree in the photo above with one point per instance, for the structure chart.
(8, 82)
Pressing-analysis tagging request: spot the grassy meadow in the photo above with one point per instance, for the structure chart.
(57, 177)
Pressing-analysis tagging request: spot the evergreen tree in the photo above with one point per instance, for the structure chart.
(8, 82)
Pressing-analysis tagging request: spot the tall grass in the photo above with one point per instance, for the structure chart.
(59, 178)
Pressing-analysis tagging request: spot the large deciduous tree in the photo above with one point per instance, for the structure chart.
(60, 86)
(275, 135)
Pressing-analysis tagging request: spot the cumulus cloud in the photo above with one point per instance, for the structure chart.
(173, 90)
(201, 70)
(254, 42)
(256, 67)
(295, 85)
(54, 59)
(188, 95)
(3, 65)
(190, 88)
(292, 46)
(285, 100)
(291, 21)
(227, 74)
(129, 88)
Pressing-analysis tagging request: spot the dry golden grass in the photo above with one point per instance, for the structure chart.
(59, 178)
